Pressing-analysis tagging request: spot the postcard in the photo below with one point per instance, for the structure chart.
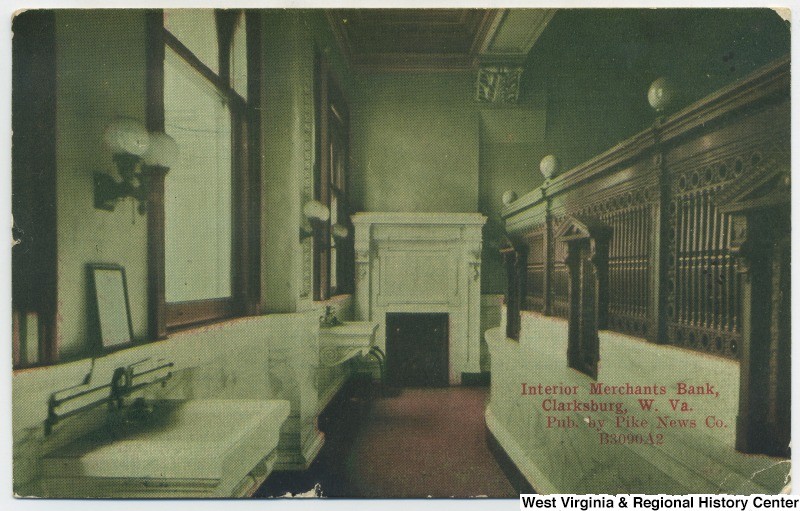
(399, 253)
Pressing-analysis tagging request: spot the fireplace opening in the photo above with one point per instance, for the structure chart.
(417, 349)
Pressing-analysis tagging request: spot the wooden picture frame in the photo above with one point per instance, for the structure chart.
(108, 288)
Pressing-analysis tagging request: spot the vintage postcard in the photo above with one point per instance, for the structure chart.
(400, 252)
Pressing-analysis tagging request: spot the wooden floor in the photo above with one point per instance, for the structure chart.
(422, 443)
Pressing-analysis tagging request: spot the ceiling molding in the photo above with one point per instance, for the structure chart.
(338, 34)
(422, 40)
(505, 48)
(393, 62)
(486, 30)
(419, 40)
(512, 34)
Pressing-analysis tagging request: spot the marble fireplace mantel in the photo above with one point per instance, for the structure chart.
(423, 262)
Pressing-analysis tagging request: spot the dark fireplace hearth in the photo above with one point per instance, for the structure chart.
(417, 349)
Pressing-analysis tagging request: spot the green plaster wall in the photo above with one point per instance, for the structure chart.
(287, 106)
(292, 40)
(511, 146)
(420, 142)
(101, 75)
(595, 67)
(414, 142)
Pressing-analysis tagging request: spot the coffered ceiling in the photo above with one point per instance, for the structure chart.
(411, 39)
(436, 39)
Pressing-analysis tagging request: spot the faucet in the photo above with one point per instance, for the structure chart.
(329, 319)
(121, 381)
(121, 386)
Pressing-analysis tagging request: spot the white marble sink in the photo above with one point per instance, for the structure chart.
(340, 343)
(191, 448)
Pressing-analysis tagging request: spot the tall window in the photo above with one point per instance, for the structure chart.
(206, 195)
(197, 206)
(333, 245)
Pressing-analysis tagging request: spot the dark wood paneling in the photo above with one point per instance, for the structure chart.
(156, 303)
(33, 180)
(672, 277)
(514, 259)
(536, 242)
(698, 206)
(255, 69)
(703, 290)
(183, 314)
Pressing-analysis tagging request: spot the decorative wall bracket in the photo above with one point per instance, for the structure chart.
(498, 84)
(135, 184)
(331, 356)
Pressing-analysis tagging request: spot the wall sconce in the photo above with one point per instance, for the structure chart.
(339, 231)
(315, 214)
(137, 154)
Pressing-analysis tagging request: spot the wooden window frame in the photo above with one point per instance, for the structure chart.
(330, 100)
(34, 258)
(245, 256)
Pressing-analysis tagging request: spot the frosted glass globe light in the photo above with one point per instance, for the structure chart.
(661, 94)
(549, 166)
(339, 231)
(162, 151)
(509, 196)
(316, 210)
(127, 136)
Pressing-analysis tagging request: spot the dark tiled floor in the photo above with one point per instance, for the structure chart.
(423, 442)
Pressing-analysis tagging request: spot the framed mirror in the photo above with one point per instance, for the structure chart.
(109, 289)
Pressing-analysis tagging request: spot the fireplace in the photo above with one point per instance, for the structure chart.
(410, 263)
(417, 349)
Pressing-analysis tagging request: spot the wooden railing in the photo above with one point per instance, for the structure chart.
(672, 278)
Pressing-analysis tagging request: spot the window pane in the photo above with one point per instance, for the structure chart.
(334, 220)
(197, 203)
(197, 30)
(334, 280)
(239, 57)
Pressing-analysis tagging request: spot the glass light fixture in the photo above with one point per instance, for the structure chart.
(315, 210)
(315, 214)
(162, 152)
(661, 94)
(339, 231)
(136, 154)
(509, 196)
(127, 136)
(549, 167)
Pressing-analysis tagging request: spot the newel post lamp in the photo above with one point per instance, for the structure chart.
(138, 155)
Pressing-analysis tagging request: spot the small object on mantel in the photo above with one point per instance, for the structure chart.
(329, 319)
